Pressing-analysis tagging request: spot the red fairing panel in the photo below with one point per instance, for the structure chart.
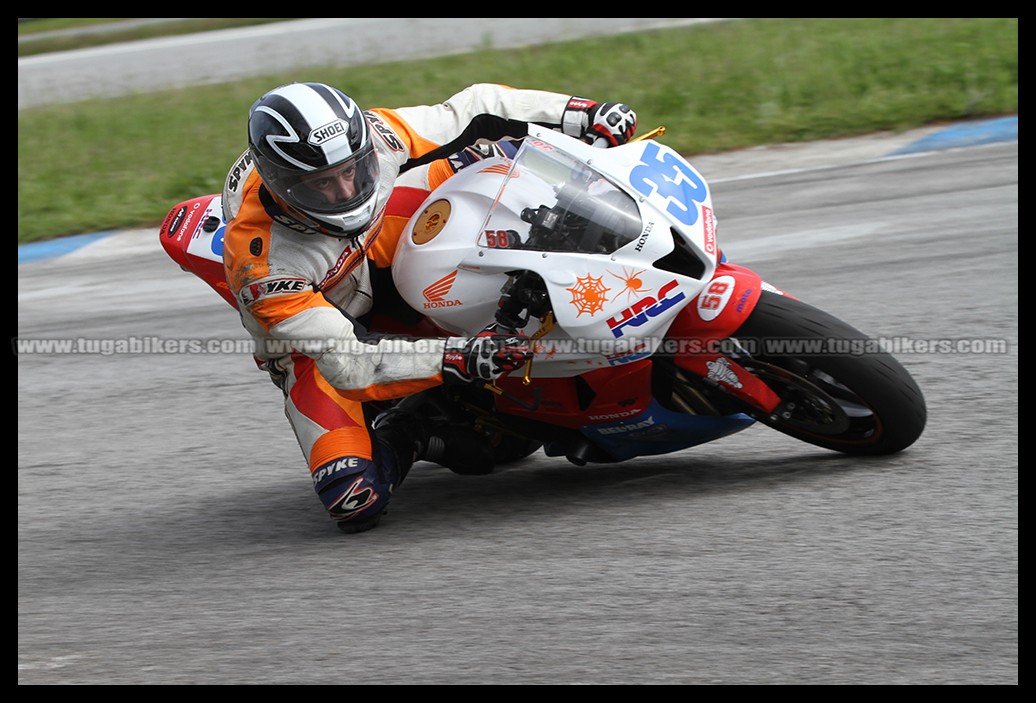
(716, 314)
(195, 247)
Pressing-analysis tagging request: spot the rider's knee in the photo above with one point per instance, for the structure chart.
(355, 491)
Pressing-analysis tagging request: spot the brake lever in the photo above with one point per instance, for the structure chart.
(547, 325)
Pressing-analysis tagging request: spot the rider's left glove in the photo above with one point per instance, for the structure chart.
(484, 357)
(604, 124)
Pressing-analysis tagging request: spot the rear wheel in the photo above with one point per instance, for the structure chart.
(838, 389)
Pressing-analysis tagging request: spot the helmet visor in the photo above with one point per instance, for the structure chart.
(334, 189)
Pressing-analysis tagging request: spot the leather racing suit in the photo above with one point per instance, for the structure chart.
(300, 293)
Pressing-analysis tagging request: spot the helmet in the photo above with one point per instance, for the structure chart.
(313, 148)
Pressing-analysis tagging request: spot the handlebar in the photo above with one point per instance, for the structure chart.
(602, 143)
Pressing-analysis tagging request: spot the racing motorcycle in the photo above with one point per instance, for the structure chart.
(646, 339)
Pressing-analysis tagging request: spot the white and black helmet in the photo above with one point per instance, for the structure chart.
(300, 132)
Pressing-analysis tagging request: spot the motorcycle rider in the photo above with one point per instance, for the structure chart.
(314, 209)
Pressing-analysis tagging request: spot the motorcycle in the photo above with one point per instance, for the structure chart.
(646, 339)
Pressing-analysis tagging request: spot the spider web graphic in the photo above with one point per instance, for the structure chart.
(588, 295)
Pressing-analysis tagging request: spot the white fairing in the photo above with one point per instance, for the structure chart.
(599, 230)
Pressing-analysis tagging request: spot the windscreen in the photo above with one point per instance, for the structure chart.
(563, 205)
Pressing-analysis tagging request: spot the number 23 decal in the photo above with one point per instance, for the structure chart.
(665, 174)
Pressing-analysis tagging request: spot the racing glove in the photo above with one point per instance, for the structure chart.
(484, 357)
(600, 124)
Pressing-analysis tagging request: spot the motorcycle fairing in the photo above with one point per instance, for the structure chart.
(615, 409)
(701, 334)
(594, 240)
(192, 236)
(658, 430)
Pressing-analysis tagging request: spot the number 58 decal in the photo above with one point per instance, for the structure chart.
(501, 238)
(714, 298)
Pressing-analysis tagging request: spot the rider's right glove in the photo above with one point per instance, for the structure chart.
(484, 357)
(612, 124)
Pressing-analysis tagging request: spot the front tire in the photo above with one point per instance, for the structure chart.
(838, 389)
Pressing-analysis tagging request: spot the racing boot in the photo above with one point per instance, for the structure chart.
(462, 450)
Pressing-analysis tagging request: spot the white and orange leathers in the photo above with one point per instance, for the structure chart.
(293, 286)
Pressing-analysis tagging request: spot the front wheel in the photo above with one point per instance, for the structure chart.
(838, 390)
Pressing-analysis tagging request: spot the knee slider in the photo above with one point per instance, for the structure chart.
(352, 489)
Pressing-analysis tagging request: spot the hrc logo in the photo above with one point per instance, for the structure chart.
(644, 309)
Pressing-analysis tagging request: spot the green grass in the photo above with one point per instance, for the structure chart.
(122, 163)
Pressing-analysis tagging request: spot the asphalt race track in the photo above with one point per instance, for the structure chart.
(168, 532)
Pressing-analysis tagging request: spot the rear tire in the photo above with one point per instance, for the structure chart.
(839, 390)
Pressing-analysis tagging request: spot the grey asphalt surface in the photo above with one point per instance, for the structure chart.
(168, 532)
(230, 54)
